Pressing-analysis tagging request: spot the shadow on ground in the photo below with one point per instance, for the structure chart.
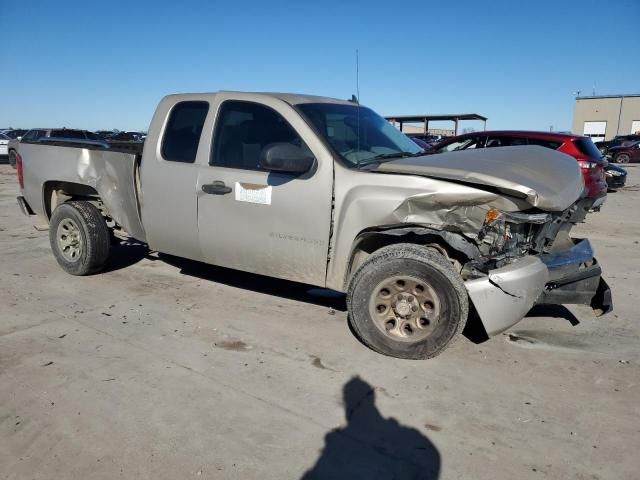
(553, 311)
(125, 253)
(371, 447)
(259, 283)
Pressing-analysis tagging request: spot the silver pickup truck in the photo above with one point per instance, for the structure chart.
(326, 192)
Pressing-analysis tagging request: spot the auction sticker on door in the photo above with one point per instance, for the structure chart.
(253, 193)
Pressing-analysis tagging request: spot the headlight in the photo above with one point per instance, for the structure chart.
(510, 233)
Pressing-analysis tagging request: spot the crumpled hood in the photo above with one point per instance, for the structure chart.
(547, 179)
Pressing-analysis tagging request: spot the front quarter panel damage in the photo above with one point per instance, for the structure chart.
(365, 200)
(458, 208)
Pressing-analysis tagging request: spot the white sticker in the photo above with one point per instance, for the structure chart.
(253, 193)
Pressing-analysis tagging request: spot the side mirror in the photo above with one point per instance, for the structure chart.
(18, 138)
(287, 158)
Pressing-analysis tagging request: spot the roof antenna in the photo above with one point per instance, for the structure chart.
(357, 77)
(358, 104)
(356, 98)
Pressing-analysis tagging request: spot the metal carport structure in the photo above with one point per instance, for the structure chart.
(425, 119)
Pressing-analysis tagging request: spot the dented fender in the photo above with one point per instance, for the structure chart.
(111, 174)
(371, 201)
(461, 209)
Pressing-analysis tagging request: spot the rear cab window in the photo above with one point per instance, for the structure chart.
(182, 134)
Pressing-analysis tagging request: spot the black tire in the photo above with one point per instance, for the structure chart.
(621, 158)
(12, 158)
(414, 261)
(93, 237)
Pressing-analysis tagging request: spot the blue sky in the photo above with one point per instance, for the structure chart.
(106, 64)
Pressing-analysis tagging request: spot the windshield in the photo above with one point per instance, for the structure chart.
(358, 134)
(4, 137)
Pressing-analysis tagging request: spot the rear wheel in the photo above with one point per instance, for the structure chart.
(621, 158)
(79, 237)
(407, 301)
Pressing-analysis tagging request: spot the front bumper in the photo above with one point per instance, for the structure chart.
(616, 181)
(506, 294)
(575, 277)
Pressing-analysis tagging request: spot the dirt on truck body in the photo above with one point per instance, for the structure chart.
(326, 192)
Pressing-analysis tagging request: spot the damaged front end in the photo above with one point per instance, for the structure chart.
(528, 258)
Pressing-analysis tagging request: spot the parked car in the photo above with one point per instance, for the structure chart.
(430, 139)
(125, 137)
(626, 154)
(328, 193)
(35, 134)
(4, 140)
(104, 134)
(616, 177)
(16, 133)
(620, 140)
(579, 147)
(421, 143)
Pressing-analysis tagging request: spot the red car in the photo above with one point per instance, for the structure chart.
(579, 147)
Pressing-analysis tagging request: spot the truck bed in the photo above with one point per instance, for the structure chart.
(110, 172)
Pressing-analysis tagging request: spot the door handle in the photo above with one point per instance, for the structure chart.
(216, 188)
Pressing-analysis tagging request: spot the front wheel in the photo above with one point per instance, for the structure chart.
(407, 301)
(621, 158)
(79, 237)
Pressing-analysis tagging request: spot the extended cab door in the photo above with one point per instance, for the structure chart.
(271, 223)
(169, 174)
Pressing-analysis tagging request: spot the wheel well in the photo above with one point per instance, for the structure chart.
(452, 246)
(55, 193)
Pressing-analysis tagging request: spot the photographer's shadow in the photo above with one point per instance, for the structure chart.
(372, 447)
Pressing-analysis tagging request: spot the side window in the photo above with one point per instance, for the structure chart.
(33, 135)
(462, 144)
(182, 133)
(545, 143)
(29, 136)
(244, 129)
(505, 141)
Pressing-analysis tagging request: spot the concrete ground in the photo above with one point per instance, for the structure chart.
(163, 368)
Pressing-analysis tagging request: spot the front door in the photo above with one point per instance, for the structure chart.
(249, 219)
